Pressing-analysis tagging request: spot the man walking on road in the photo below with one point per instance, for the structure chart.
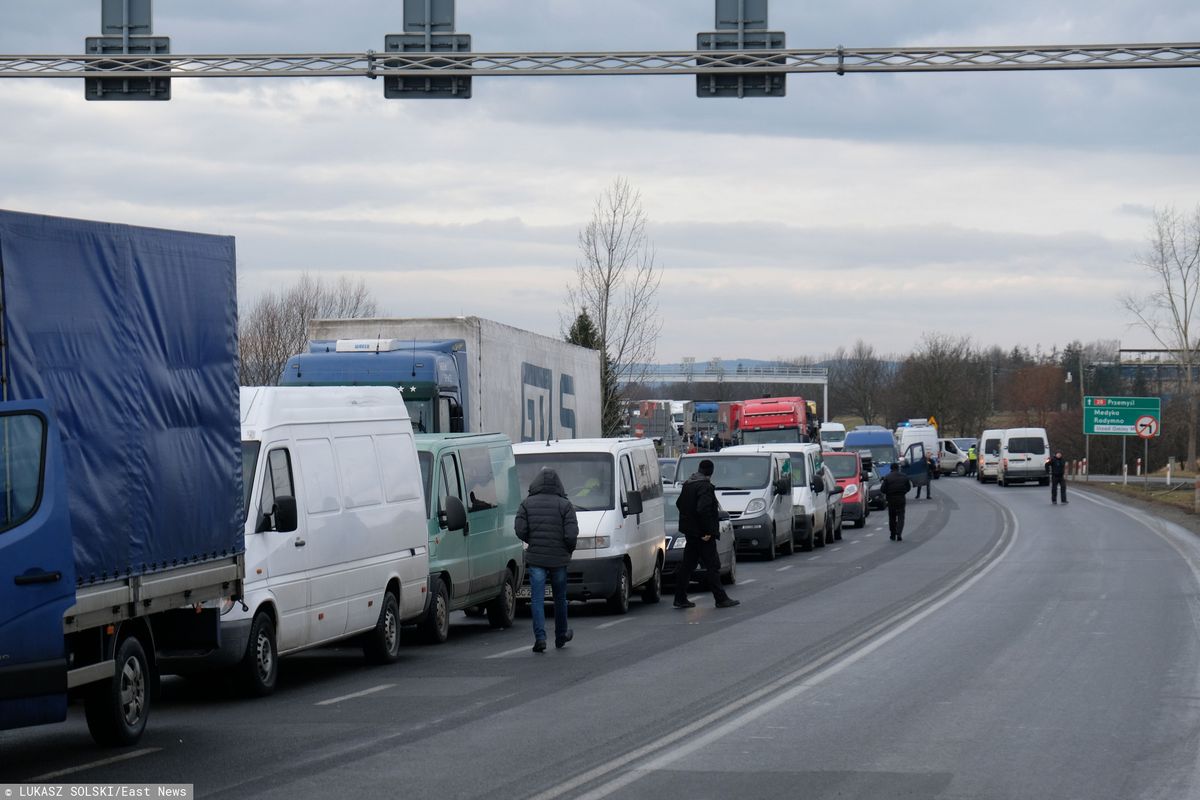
(546, 523)
(895, 486)
(699, 522)
(1057, 468)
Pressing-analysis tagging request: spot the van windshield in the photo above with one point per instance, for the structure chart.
(587, 477)
(878, 453)
(1033, 445)
(731, 472)
(832, 436)
(842, 466)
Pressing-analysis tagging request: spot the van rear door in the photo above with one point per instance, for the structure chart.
(37, 567)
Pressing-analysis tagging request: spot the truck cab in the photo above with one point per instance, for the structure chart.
(775, 420)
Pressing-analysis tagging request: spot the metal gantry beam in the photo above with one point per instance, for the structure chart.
(839, 61)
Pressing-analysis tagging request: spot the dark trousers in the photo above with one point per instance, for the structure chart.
(698, 551)
(971, 467)
(896, 516)
(1058, 484)
(926, 486)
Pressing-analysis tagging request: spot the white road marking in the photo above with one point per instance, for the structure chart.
(836, 549)
(614, 622)
(856, 541)
(868, 536)
(381, 687)
(104, 762)
(701, 732)
(750, 580)
(785, 569)
(813, 558)
(514, 651)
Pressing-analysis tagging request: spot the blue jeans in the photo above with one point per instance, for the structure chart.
(537, 598)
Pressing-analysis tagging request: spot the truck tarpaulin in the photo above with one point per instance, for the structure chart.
(131, 334)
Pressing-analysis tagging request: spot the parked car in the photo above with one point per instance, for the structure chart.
(875, 496)
(618, 497)
(481, 567)
(952, 459)
(1023, 453)
(756, 489)
(847, 469)
(675, 543)
(666, 468)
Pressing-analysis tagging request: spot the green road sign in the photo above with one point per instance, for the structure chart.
(1122, 416)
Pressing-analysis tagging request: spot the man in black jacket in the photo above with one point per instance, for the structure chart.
(546, 523)
(895, 486)
(1057, 469)
(699, 522)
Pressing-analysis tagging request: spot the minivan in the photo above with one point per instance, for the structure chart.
(876, 442)
(475, 558)
(335, 535)
(812, 524)
(755, 487)
(617, 492)
(987, 456)
(1023, 454)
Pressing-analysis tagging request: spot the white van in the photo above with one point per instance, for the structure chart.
(336, 543)
(833, 436)
(926, 435)
(952, 459)
(812, 524)
(755, 487)
(987, 455)
(618, 497)
(1023, 454)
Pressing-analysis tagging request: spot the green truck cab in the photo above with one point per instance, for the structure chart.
(471, 499)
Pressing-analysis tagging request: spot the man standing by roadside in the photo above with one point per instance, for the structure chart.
(546, 523)
(972, 454)
(699, 522)
(895, 486)
(1057, 468)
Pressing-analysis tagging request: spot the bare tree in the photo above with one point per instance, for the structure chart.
(935, 376)
(1168, 311)
(858, 381)
(275, 325)
(616, 281)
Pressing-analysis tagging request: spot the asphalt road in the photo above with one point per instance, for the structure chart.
(1006, 648)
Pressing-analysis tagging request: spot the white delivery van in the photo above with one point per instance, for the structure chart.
(755, 487)
(925, 435)
(617, 492)
(1023, 454)
(833, 436)
(336, 542)
(987, 455)
(812, 522)
(952, 459)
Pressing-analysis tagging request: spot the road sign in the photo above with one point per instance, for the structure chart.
(1122, 416)
(742, 26)
(428, 28)
(126, 27)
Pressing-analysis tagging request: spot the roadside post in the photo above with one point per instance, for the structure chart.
(1196, 496)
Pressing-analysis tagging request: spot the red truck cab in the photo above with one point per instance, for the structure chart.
(773, 420)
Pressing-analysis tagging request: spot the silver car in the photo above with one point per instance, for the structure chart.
(676, 542)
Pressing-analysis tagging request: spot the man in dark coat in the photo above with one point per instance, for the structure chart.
(926, 479)
(895, 486)
(700, 523)
(1057, 469)
(546, 524)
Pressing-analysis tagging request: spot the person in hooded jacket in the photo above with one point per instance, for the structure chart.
(700, 523)
(547, 525)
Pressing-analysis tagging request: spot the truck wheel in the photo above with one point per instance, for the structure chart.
(730, 577)
(260, 665)
(618, 601)
(117, 708)
(383, 644)
(435, 627)
(502, 611)
(652, 591)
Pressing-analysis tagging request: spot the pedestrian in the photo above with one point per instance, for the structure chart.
(546, 524)
(896, 486)
(1056, 467)
(972, 454)
(925, 477)
(699, 522)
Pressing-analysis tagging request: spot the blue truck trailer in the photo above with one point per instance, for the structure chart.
(120, 463)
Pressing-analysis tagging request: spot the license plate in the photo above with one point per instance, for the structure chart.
(525, 593)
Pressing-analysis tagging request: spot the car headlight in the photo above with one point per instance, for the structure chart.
(680, 543)
(851, 490)
(593, 542)
(755, 506)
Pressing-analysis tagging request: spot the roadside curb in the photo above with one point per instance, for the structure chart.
(1181, 518)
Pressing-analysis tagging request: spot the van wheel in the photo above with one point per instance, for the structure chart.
(772, 545)
(818, 538)
(618, 601)
(837, 533)
(861, 522)
(260, 665)
(960, 470)
(435, 627)
(383, 643)
(652, 591)
(730, 577)
(502, 611)
(117, 709)
(789, 547)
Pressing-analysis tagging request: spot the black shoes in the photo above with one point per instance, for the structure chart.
(539, 646)
(893, 537)
(561, 641)
(684, 604)
(728, 602)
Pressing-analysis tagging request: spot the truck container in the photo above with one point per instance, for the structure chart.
(120, 463)
(464, 374)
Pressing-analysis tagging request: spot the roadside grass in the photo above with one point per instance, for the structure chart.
(1181, 499)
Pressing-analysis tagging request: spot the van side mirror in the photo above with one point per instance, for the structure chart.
(866, 476)
(817, 486)
(632, 505)
(454, 518)
(285, 515)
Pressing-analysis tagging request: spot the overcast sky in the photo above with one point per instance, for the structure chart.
(1007, 207)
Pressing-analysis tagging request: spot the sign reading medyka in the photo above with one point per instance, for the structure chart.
(1122, 416)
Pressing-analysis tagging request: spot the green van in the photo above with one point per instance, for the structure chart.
(471, 501)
